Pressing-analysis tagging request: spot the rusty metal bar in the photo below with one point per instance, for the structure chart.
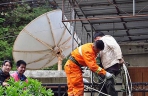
(84, 15)
(111, 17)
(60, 89)
(130, 28)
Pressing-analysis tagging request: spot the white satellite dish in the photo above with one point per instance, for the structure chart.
(44, 41)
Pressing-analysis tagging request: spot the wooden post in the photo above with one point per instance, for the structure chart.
(59, 63)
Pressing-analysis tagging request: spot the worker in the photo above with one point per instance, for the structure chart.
(83, 56)
(111, 60)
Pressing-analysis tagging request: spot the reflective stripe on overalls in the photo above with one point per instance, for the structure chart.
(75, 61)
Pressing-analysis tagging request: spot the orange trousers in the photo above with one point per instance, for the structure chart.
(74, 79)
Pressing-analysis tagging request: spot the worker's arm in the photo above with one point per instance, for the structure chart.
(90, 61)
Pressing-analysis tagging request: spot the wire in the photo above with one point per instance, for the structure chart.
(96, 90)
(128, 80)
(99, 79)
(142, 9)
(102, 86)
(103, 81)
(128, 84)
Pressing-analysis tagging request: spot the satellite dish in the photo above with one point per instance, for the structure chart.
(45, 41)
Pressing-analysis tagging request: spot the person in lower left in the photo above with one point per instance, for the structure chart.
(4, 72)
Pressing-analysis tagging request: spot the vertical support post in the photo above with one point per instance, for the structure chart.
(63, 9)
(59, 63)
(82, 34)
(72, 27)
(92, 42)
(88, 37)
(133, 7)
(59, 90)
(92, 39)
(74, 21)
(113, 28)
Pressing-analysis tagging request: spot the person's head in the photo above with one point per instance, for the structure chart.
(98, 45)
(6, 66)
(21, 66)
(98, 35)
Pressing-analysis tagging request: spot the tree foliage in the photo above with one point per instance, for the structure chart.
(32, 88)
(13, 21)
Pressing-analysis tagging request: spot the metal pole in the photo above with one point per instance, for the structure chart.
(63, 9)
(133, 7)
(111, 17)
(59, 90)
(91, 71)
(72, 27)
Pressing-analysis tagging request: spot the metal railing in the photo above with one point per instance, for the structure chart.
(61, 89)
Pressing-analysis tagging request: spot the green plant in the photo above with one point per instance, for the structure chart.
(32, 88)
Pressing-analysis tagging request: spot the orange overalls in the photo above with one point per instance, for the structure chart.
(74, 72)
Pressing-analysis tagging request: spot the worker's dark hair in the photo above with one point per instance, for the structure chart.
(7, 61)
(98, 33)
(19, 62)
(99, 44)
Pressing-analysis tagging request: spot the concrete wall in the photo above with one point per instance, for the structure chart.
(135, 53)
(51, 76)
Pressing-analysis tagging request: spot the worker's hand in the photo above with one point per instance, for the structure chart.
(85, 80)
(5, 84)
(121, 61)
(108, 75)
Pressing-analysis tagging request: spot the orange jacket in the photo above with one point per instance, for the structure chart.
(87, 58)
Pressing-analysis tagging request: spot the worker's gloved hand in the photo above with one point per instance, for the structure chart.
(108, 75)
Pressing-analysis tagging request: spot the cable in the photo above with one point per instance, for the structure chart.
(128, 84)
(99, 79)
(96, 90)
(102, 86)
(142, 9)
(128, 80)
(103, 81)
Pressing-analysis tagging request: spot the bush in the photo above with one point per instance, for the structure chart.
(12, 21)
(21, 88)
